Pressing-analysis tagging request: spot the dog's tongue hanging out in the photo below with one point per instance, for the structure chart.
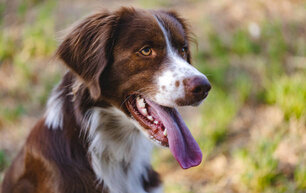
(181, 143)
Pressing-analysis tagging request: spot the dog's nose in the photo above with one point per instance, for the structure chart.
(196, 89)
(198, 86)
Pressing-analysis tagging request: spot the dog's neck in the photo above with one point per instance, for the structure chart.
(119, 153)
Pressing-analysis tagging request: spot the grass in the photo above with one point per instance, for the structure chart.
(12, 114)
(23, 52)
(235, 86)
(300, 176)
(6, 46)
(217, 114)
(3, 161)
(261, 171)
(289, 93)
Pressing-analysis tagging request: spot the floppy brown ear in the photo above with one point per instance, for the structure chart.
(85, 50)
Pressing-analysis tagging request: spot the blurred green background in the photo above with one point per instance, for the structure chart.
(251, 128)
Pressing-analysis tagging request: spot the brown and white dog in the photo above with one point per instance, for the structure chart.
(128, 70)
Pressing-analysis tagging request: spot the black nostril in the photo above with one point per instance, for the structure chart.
(197, 90)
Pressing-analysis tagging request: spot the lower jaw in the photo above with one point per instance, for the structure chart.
(163, 141)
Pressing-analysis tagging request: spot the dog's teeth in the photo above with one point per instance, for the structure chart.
(141, 103)
(150, 118)
(145, 112)
(165, 132)
(155, 122)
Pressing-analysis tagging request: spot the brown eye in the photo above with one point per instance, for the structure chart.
(183, 50)
(147, 51)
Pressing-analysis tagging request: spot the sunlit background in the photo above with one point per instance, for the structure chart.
(251, 128)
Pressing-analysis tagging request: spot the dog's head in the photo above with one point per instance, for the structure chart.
(139, 61)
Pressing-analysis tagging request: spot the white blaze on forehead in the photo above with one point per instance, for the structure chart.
(170, 81)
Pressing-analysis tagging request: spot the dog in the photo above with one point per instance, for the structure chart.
(128, 70)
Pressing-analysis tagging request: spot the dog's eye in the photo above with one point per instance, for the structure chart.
(146, 51)
(183, 50)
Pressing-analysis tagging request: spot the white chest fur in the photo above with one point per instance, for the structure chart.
(120, 153)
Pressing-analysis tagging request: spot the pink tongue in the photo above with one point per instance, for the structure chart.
(181, 143)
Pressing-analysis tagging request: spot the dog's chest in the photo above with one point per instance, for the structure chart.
(120, 154)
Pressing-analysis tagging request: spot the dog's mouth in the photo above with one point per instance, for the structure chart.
(165, 126)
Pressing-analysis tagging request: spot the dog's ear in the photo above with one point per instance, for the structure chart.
(85, 50)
